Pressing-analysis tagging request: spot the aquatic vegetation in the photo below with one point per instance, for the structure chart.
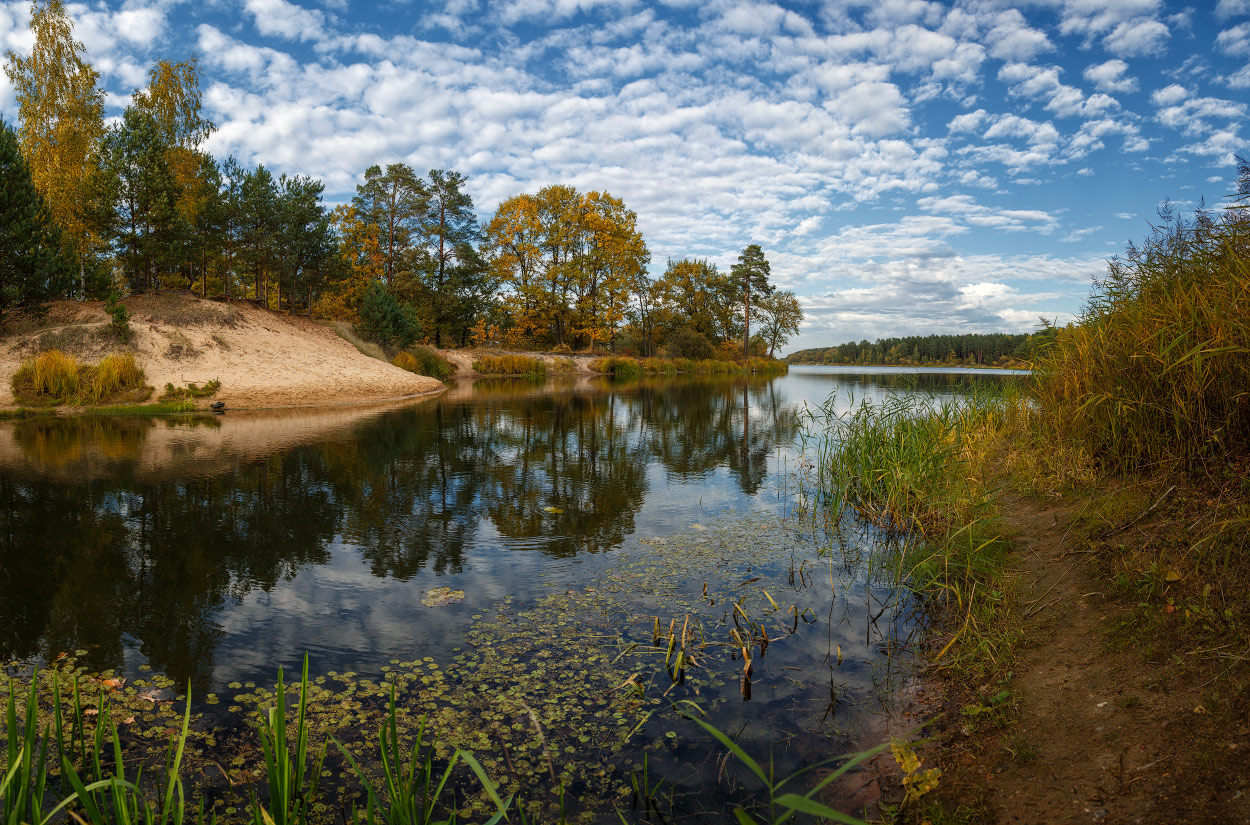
(918, 468)
(538, 712)
(439, 596)
(782, 806)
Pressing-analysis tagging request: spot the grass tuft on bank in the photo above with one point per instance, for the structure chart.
(54, 378)
(509, 364)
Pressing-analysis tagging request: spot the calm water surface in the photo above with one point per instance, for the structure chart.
(214, 549)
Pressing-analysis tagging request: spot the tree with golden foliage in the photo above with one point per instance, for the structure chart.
(172, 102)
(363, 257)
(571, 261)
(61, 113)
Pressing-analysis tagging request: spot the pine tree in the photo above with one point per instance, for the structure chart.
(33, 265)
(752, 271)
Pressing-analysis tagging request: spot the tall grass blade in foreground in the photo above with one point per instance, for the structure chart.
(291, 780)
(411, 787)
(783, 805)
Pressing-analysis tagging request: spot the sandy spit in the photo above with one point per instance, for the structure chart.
(263, 359)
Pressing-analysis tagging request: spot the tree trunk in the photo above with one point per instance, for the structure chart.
(746, 322)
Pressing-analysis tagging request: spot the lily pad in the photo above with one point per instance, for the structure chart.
(439, 596)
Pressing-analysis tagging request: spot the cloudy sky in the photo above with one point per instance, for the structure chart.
(908, 166)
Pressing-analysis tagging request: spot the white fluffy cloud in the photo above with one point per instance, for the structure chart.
(1111, 76)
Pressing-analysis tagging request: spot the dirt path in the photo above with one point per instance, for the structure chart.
(1106, 732)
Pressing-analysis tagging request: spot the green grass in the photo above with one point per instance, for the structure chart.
(156, 408)
(190, 391)
(75, 762)
(22, 413)
(919, 469)
(65, 755)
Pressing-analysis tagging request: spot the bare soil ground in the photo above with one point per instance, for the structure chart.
(1109, 727)
(262, 358)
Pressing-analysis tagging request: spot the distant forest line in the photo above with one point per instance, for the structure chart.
(970, 350)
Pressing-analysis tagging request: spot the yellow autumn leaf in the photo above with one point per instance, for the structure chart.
(905, 755)
(919, 784)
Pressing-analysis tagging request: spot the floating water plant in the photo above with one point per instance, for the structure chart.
(440, 596)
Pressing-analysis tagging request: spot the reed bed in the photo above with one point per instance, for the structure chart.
(509, 364)
(919, 469)
(55, 378)
(1157, 372)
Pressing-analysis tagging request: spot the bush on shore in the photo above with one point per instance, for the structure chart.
(424, 361)
(191, 390)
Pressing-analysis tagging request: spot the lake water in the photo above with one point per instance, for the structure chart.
(576, 518)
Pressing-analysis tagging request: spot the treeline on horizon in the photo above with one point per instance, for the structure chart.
(97, 210)
(971, 349)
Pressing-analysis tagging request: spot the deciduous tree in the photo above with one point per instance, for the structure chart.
(780, 315)
(61, 112)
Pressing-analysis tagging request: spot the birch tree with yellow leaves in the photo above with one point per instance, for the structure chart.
(61, 114)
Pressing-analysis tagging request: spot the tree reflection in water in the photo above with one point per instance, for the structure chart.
(131, 531)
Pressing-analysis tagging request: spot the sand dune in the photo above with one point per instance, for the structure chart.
(263, 359)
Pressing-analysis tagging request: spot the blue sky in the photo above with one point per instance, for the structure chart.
(908, 166)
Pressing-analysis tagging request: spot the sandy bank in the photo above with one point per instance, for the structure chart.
(262, 358)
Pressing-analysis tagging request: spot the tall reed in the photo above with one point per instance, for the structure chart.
(918, 468)
(1157, 371)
